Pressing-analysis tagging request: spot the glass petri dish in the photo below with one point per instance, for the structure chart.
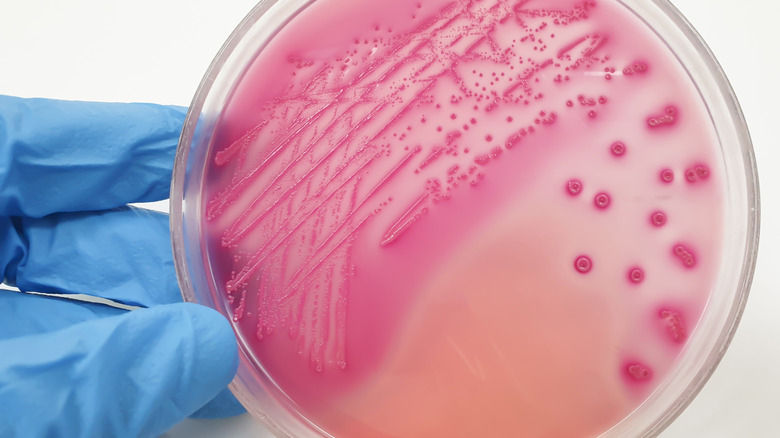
(469, 217)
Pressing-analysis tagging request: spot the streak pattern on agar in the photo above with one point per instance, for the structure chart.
(330, 150)
(322, 164)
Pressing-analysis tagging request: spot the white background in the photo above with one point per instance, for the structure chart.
(157, 51)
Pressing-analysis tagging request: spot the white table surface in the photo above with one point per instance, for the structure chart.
(157, 51)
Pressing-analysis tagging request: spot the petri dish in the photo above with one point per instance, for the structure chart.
(426, 218)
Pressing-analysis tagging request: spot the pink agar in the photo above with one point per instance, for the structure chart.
(386, 221)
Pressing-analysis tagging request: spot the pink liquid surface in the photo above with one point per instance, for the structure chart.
(464, 218)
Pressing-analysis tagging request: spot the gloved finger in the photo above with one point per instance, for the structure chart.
(23, 314)
(26, 315)
(133, 375)
(122, 254)
(63, 156)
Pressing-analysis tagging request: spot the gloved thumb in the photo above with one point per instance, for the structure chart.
(132, 375)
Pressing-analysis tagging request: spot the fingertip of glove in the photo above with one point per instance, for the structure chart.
(216, 354)
(200, 359)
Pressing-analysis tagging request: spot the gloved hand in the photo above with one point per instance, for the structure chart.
(70, 369)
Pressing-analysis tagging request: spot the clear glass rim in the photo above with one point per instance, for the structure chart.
(284, 419)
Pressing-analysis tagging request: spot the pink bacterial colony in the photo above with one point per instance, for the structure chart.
(464, 217)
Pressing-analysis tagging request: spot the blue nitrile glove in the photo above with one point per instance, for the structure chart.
(69, 369)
